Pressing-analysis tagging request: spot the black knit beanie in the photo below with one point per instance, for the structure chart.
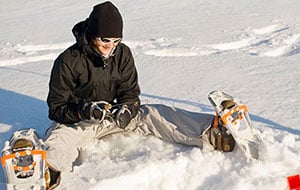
(105, 21)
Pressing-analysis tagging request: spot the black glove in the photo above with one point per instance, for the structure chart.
(123, 116)
(94, 110)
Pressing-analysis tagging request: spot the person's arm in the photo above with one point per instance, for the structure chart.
(128, 89)
(61, 91)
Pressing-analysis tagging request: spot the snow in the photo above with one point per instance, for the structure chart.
(183, 50)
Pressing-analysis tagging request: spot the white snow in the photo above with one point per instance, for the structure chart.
(183, 50)
(267, 29)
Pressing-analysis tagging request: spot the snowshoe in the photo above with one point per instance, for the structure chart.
(24, 161)
(233, 115)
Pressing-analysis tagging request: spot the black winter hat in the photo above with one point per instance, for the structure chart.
(105, 21)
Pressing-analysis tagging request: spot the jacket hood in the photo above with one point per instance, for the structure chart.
(79, 32)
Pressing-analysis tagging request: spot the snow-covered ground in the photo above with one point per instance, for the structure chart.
(183, 50)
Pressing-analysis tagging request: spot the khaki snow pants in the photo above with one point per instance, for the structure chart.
(65, 142)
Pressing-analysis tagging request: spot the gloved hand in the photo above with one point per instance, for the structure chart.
(94, 110)
(123, 116)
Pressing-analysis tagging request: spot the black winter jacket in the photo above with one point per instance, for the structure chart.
(80, 74)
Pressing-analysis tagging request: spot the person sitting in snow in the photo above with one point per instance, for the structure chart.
(94, 92)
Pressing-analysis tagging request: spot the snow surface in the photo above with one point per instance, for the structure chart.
(183, 50)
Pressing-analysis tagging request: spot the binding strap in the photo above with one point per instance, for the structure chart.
(216, 121)
(23, 153)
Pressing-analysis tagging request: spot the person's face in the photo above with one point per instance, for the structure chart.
(105, 45)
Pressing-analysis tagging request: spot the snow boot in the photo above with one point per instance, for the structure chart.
(52, 178)
(219, 137)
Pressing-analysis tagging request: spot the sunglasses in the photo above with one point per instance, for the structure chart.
(108, 40)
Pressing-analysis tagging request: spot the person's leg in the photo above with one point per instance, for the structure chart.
(64, 143)
(108, 128)
(173, 124)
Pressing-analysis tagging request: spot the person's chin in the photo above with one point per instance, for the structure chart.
(105, 52)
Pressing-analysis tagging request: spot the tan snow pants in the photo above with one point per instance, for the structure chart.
(64, 142)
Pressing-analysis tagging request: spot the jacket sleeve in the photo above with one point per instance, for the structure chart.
(128, 89)
(61, 90)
